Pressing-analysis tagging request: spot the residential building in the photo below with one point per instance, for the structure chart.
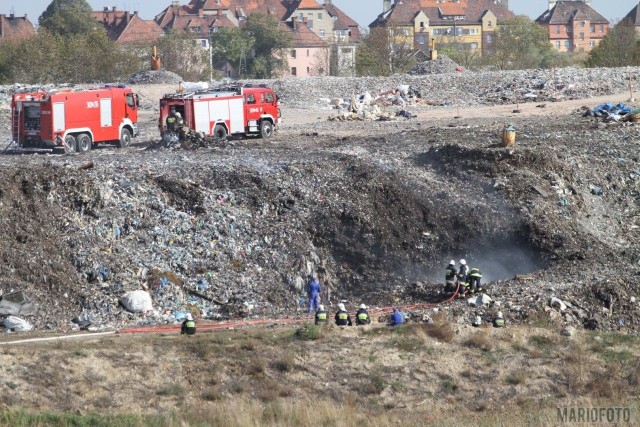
(633, 18)
(573, 26)
(339, 32)
(309, 55)
(469, 24)
(125, 27)
(15, 27)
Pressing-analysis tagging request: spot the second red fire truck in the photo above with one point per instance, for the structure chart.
(232, 110)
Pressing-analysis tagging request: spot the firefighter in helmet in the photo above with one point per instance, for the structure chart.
(172, 120)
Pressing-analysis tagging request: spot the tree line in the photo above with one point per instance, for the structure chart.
(72, 47)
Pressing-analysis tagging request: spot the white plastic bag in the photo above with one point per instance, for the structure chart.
(17, 324)
(137, 301)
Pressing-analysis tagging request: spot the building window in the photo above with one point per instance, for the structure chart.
(567, 44)
(293, 53)
(582, 23)
(489, 38)
(557, 29)
(422, 25)
(203, 43)
(294, 71)
(557, 45)
(490, 24)
(422, 39)
(601, 28)
(593, 28)
(474, 46)
(319, 16)
(310, 24)
(307, 53)
(569, 30)
(581, 36)
(592, 43)
(322, 33)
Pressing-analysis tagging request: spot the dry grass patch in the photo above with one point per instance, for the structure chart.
(516, 377)
(440, 330)
(480, 341)
(285, 363)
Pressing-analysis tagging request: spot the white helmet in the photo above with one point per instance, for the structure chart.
(463, 262)
(499, 314)
(178, 114)
(362, 306)
(321, 307)
(452, 262)
(341, 307)
(189, 316)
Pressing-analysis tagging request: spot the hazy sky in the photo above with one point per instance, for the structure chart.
(363, 11)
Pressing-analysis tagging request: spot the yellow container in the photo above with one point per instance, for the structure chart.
(508, 136)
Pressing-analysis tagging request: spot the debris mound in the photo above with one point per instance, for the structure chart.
(442, 65)
(155, 77)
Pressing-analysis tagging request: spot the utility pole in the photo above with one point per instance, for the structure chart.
(210, 55)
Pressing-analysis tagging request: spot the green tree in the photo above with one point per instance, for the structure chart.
(520, 44)
(81, 58)
(384, 51)
(68, 17)
(182, 55)
(619, 48)
(271, 41)
(229, 45)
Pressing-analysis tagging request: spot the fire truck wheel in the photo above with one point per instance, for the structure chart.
(125, 138)
(83, 142)
(266, 129)
(220, 132)
(70, 144)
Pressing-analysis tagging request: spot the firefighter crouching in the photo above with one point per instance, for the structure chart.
(474, 280)
(342, 318)
(321, 315)
(362, 316)
(188, 326)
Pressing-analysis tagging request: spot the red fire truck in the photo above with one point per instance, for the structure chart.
(74, 120)
(231, 110)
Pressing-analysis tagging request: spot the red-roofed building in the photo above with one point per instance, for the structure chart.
(125, 27)
(573, 26)
(468, 23)
(15, 27)
(339, 32)
(310, 55)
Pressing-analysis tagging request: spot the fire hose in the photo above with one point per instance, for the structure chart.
(215, 326)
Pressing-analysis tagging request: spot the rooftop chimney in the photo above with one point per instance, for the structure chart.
(386, 5)
(11, 16)
(175, 3)
(106, 9)
(114, 9)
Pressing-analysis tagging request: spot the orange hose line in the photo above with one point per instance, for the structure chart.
(286, 320)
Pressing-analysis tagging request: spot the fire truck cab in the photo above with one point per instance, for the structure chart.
(231, 110)
(74, 120)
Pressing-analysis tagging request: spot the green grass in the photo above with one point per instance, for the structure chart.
(27, 419)
(310, 332)
(612, 356)
(172, 390)
(541, 342)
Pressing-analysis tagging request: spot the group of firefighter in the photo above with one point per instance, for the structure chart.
(462, 280)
